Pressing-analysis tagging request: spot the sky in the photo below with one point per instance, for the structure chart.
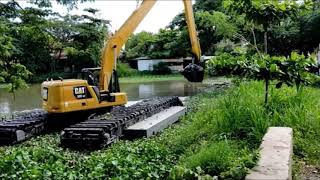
(119, 10)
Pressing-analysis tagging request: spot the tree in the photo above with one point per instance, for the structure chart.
(139, 45)
(40, 36)
(11, 72)
(209, 5)
(263, 13)
(169, 43)
(212, 27)
(69, 3)
(87, 37)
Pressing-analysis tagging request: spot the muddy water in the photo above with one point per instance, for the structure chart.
(30, 98)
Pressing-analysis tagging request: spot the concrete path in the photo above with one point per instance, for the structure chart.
(275, 161)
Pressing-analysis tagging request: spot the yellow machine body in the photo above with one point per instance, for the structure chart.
(63, 96)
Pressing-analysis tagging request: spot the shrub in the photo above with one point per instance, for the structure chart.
(213, 159)
(161, 68)
(124, 70)
(56, 75)
(293, 70)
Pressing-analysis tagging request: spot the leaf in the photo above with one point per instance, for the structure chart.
(279, 85)
(273, 68)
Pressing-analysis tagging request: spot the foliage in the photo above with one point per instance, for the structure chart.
(293, 70)
(218, 138)
(69, 3)
(161, 68)
(11, 72)
(212, 26)
(168, 44)
(227, 64)
(153, 158)
(174, 41)
(263, 13)
(124, 70)
(204, 5)
(248, 118)
(41, 37)
(296, 70)
(139, 45)
(85, 41)
(148, 77)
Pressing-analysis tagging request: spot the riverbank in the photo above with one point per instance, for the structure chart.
(151, 78)
(220, 137)
(137, 79)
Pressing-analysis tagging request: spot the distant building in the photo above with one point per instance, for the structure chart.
(146, 63)
(175, 64)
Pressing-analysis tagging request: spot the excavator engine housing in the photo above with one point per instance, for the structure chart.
(62, 96)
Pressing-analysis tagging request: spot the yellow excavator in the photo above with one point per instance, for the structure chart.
(63, 96)
(75, 96)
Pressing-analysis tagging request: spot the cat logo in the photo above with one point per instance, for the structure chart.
(80, 92)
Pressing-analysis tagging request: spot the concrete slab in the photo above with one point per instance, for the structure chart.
(275, 161)
(155, 123)
(184, 99)
(130, 103)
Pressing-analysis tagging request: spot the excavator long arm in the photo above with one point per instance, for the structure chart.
(196, 50)
(115, 43)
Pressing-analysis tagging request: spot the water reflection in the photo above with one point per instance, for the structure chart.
(30, 98)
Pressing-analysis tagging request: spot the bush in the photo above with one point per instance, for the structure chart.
(161, 68)
(218, 137)
(227, 64)
(43, 77)
(213, 159)
(124, 70)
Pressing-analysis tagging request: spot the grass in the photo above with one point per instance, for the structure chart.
(220, 137)
(3, 86)
(150, 78)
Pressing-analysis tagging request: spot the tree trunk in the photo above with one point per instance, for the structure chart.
(255, 42)
(266, 91)
(266, 41)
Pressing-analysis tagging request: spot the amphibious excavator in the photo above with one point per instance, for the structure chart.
(80, 105)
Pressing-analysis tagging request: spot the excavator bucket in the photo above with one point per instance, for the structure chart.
(193, 73)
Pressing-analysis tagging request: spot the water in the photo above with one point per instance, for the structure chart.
(31, 98)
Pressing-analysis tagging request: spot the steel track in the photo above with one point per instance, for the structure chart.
(99, 132)
(85, 130)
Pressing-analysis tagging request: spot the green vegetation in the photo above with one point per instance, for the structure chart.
(262, 40)
(38, 41)
(144, 78)
(219, 137)
(294, 70)
(124, 70)
(40, 38)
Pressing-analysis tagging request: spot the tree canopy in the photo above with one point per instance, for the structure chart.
(39, 38)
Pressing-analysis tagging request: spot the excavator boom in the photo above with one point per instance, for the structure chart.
(195, 44)
(115, 43)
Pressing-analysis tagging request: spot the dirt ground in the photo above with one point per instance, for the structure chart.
(307, 172)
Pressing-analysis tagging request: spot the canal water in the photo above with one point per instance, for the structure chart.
(31, 98)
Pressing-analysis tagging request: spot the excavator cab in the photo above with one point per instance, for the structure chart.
(91, 75)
